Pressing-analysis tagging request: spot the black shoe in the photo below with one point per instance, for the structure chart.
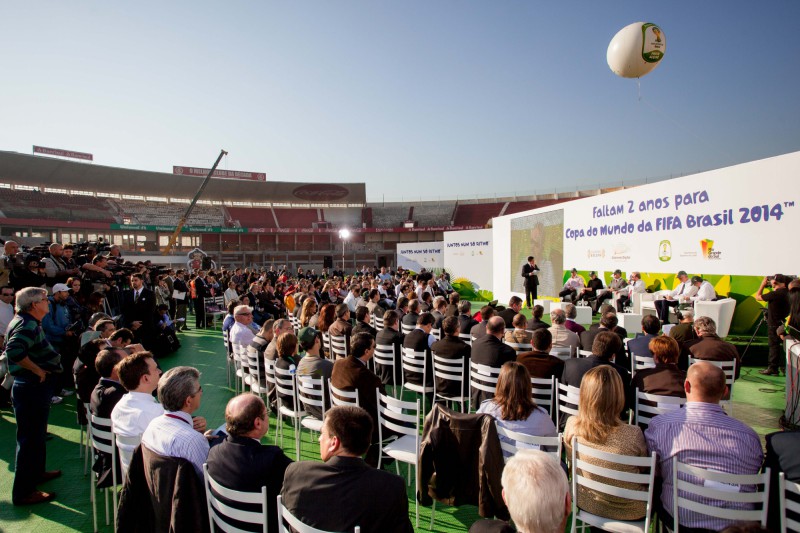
(36, 497)
(769, 372)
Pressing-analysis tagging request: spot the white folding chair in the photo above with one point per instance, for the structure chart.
(437, 333)
(286, 386)
(581, 467)
(87, 444)
(258, 382)
(338, 345)
(231, 366)
(482, 378)
(269, 375)
(103, 441)
(790, 503)
(584, 353)
(242, 366)
(640, 362)
(125, 448)
(723, 488)
(341, 396)
(326, 344)
(402, 418)
(648, 406)
(466, 337)
(285, 518)
(221, 503)
(377, 322)
(562, 352)
(416, 363)
(405, 329)
(311, 393)
(520, 347)
(543, 390)
(567, 400)
(729, 367)
(513, 441)
(385, 356)
(451, 370)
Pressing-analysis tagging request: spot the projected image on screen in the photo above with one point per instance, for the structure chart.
(542, 236)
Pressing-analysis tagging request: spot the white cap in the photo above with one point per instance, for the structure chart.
(60, 287)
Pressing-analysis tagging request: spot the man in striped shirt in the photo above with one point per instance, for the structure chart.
(36, 367)
(703, 435)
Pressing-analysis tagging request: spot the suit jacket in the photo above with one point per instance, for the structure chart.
(508, 315)
(534, 324)
(465, 323)
(541, 364)
(241, 463)
(351, 374)
(640, 345)
(666, 380)
(105, 396)
(340, 327)
(530, 281)
(712, 348)
(781, 456)
(410, 319)
(345, 492)
(362, 327)
(574, 369)
(390, 337)
(452, 310)
(490, 351)
(142, 310)
(478, 330)
(587, 339)
(417, 340)
(452, 348)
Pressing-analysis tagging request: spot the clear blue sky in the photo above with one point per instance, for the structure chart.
(414, 98)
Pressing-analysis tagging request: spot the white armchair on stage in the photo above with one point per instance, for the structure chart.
(720, 311)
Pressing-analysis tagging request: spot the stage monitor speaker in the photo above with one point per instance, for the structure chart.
(327, 261)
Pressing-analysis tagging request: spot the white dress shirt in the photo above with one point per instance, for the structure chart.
(636, 286)
(130, 417)
(352, 301)
(705, 293)
(241, 334)
(683, 291)
(172, 435)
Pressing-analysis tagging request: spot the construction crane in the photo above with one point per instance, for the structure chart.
(174, 238)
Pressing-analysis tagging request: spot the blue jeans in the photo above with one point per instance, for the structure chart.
(31, 400)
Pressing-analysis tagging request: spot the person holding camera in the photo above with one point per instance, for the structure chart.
(778, 308)
(58, 328)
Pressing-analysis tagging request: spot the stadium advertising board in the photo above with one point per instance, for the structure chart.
(219, 173)
(418, 255)
(468, 260)
(62, 153)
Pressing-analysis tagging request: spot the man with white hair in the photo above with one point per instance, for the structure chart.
(536, 491)
(562, 337)
(241, 332)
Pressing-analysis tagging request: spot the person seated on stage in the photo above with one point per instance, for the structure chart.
(705, 291)
(709, 346)
(636, 286)
(514, 408)
(241, 462)
(344, 482)
(539, 362)
(701, 434)
(562, 337)
(591, 291)
(618, 283)
(479, 329)
(640, 345)
(537, 493)
(519, 334)
(665, 379)
(536, 321)
(572, 313)
(680, 294)
(574, 284)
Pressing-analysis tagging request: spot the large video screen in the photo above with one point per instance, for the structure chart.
(542, 236)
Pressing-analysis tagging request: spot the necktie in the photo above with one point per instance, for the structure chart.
(136, 296)
(683, 286)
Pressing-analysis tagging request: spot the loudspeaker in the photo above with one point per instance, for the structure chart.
(382, 261)
(327, 261)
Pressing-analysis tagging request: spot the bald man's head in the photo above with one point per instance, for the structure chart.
(241, 414)
(705, 383)
(496, 326)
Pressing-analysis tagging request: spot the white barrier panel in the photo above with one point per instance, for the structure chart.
(418, 255)
(468, 254)
(732, 221)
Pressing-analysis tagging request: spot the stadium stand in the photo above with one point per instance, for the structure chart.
(253, 217)
(56, 206)
(167, 214)
(389, 215)
(518, 207)
(476, 214)
(434, 214)
(296, 218)
(343, 218)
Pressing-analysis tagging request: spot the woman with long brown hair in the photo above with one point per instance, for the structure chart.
(309, 309)
(513, 406)
(597, 424)
(326, 317)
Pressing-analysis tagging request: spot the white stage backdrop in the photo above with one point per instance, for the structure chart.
(418, 255)
(738, 220)
(468, 254)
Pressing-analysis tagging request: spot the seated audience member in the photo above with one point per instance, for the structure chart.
(514, 408)
(702, 435)
(172, 434)
(608, 322)
(674, 298)
(390, 335)
(536, 319)
(513, 309)
(352, 374)
(539, 362)
(241, 462)
(439, 308)
(363, 322)
(108, 390)
(709, 346)
(308, 311)
(452, 307)
(562, 337)
(286, 359)
(598, 425)
(139, 374)
(781, 457)
(344, 482)
(537, 493)
(604, 350)
(410, 318)
(451, 346)
(651, 325)
(242, 332)
(683, 331)
(281, 326)
(314, 364)
(490, 350)
(342, 324)
(465, 320)
(421, 340)
(86, 376)
(571, 288)
(166, 341)
(665, 379)
(518, 334)
(571, 311)
(479, 329)
(374, 303)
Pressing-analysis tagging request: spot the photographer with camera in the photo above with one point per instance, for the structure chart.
(55, 268)
(778, 308)
(59, 331)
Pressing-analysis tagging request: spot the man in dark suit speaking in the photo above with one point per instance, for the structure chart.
(241, 462)
(529, 271)
(138, 311)
(344, 492)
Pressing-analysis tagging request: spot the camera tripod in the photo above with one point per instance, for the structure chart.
(761, 321)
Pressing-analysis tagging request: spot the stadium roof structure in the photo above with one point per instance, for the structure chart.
(53, 173)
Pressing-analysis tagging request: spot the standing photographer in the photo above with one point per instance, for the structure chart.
(778, 308)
